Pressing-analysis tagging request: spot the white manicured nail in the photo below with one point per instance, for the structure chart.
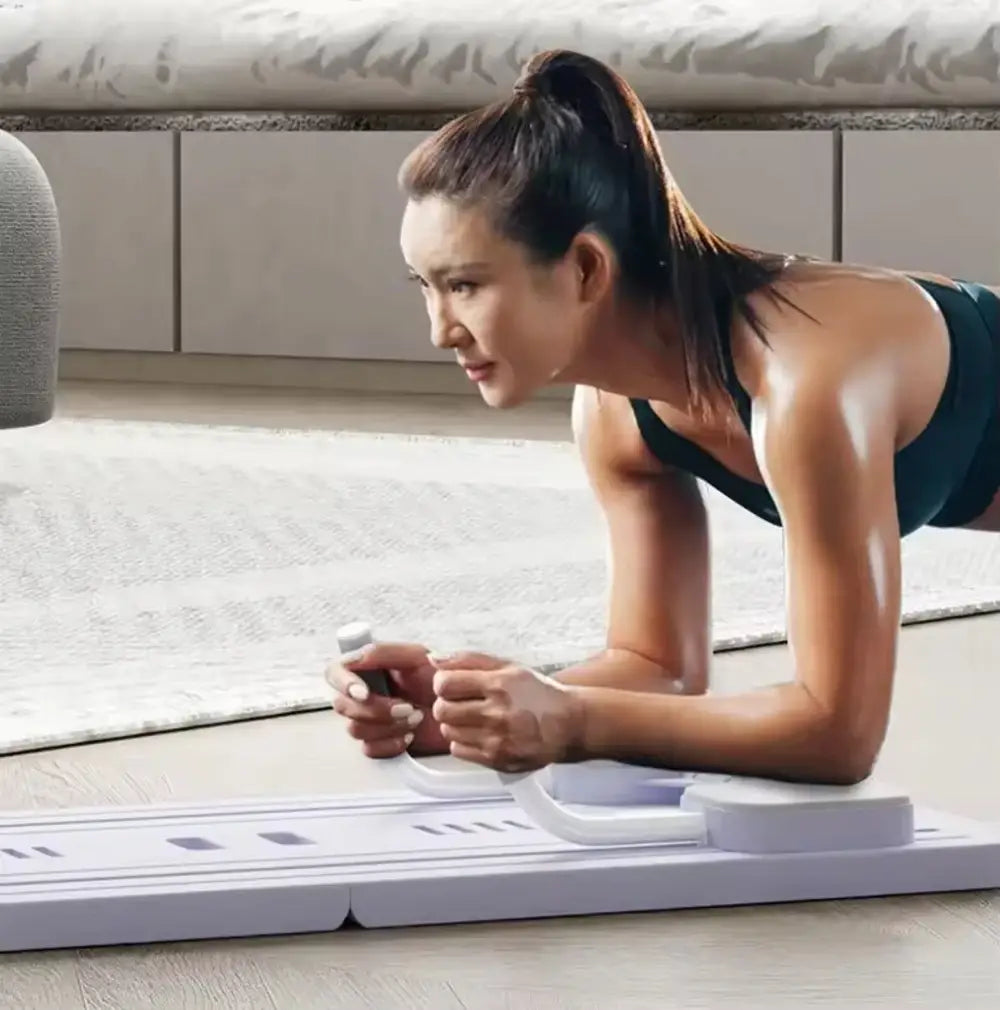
(358, 691)
(401, 711)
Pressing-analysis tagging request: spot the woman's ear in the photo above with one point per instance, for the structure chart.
(594, 266)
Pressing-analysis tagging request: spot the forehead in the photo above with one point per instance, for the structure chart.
(437, 233)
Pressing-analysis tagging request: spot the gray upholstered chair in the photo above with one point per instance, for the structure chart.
(29, 288)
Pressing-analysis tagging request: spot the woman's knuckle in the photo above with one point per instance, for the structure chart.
(495, 747)
(356, 729)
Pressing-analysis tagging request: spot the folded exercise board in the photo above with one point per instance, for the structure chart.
(470, 846)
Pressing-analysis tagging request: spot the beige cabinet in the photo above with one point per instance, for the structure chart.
(773, 189)
(115, 196)
(925, 200)
(290, 247)
(287, 243)
(290, 241)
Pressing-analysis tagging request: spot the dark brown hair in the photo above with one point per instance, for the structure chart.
(574, 149)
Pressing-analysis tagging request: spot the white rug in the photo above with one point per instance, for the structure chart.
(154, 576)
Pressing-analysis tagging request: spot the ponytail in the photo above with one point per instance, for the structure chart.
(573, 148)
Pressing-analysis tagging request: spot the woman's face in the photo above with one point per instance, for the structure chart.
(489, 304)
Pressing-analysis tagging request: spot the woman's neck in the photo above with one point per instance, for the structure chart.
(633, 352)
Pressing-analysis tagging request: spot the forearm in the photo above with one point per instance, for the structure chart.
(621, 670)
(775, 732)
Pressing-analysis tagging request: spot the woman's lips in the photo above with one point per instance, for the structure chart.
(478, 372)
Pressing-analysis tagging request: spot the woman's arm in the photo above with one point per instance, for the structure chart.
(826, 448)
(658, 621)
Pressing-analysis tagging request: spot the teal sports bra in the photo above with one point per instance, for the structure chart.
(944, 477)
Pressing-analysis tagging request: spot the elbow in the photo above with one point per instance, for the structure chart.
(844, 758)
(842, 741)
(846, 771)
(837, 748)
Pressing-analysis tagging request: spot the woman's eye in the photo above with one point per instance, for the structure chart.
(462, 287)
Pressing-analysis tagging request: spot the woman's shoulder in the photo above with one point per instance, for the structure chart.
(614, 449)
(822, 309)
(607, 436)
(854, 335)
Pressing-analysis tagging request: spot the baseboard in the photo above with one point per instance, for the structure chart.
(280, 373)
(890, 117)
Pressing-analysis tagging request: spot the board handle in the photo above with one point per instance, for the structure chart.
(619, 827)
(471, 784)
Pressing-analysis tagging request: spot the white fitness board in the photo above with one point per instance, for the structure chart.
(470, 846)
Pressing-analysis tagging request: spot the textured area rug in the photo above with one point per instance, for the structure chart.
(155, 576)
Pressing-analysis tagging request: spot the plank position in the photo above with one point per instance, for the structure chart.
(849, 405)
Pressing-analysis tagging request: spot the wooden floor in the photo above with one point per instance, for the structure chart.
(922, 952)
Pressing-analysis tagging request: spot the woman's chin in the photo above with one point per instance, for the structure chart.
(502, 389)
(503, 395)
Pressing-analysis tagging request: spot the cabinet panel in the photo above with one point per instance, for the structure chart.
(290, 247)
(115, 196)
(926, 200)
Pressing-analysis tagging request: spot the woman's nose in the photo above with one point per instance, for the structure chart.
(447, 332)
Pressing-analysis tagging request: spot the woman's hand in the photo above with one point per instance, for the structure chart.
(387, 726)
(507, 717)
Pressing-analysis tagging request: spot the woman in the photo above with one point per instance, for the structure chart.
(848, 405)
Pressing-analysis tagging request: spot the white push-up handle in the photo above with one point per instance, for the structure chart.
(527, 790)
(531, 796)
(608, 829)
(472, 784)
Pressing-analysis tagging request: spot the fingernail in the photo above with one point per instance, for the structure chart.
(416, 719)
(401, 711)
(358, 691)
(437, 657)
(355, 654)
(408, 739)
